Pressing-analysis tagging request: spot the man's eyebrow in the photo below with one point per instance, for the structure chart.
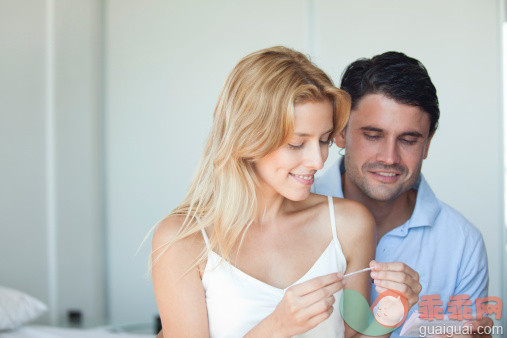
(412, 133)
(408, 133)
(305, 134)
(367, 128)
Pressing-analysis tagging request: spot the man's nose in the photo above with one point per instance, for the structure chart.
(388, 152)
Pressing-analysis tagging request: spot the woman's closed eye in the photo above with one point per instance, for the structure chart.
(299, 146)
(295, 146)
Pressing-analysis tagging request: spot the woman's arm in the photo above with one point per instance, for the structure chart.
(357, 235)
(179, 291)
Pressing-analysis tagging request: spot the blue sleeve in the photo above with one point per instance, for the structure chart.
(473, 271)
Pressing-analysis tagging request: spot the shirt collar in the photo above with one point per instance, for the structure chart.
(426, 207)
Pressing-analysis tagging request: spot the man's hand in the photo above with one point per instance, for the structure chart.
(478, 328)
(396, 276)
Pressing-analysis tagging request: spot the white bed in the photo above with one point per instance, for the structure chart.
(18, 310)
(33, 331)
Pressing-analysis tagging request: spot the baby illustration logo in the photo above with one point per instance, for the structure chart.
(386, 313)
(390, 309)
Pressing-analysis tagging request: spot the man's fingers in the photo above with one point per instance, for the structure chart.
(481, 323)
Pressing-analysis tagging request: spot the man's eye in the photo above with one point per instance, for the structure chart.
(372, 137)
(409, 142)
(295, 146)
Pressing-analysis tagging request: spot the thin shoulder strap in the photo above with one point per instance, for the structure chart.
(333, 224)
(206, 239)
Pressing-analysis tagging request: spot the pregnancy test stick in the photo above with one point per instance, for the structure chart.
(353, 273)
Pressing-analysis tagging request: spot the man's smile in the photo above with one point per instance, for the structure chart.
(385, 176)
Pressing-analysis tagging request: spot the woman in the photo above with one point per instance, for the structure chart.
(250, 251)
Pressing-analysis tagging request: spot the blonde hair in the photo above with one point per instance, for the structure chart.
(253, 117)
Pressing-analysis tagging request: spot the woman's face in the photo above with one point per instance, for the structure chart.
(289, 170)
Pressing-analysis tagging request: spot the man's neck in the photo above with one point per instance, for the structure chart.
(388, 214)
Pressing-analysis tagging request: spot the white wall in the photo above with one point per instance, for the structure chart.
(79, 159)
(23, 235)
(82, 153)
(51, 217)
(167, 61)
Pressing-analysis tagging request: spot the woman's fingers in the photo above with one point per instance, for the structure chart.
(317, 319)
(315, 284)
(399, 277)
(402, 288)
(396, 267)
(307, 304)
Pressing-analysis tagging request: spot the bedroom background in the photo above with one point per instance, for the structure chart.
(105, 106)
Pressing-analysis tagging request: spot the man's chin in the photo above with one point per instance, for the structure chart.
(382, 194)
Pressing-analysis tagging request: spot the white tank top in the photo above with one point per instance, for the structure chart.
(236, 301)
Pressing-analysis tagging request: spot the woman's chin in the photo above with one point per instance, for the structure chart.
(298, 196)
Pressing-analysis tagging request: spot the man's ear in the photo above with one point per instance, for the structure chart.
(339, 138)
(427, 148)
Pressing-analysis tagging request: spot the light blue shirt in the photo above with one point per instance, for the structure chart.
(445, 249)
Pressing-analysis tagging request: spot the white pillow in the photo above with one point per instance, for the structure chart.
(18, 308)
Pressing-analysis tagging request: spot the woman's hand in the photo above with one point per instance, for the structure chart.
(303, 307)
(398, 277)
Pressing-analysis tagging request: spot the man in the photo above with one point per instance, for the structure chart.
(393, 119)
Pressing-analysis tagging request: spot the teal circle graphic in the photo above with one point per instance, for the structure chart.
(356, 312)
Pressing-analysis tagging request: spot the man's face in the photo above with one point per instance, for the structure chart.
(385, 143)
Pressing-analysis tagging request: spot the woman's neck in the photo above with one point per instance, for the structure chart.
(269, 207)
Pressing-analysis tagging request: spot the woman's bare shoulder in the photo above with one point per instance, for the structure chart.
(345, 209)
(167, 230)
(355, 225)
(352, 212)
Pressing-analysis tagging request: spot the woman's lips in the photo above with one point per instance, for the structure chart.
(303, 179)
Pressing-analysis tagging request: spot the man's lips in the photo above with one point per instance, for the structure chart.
(385, 176)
